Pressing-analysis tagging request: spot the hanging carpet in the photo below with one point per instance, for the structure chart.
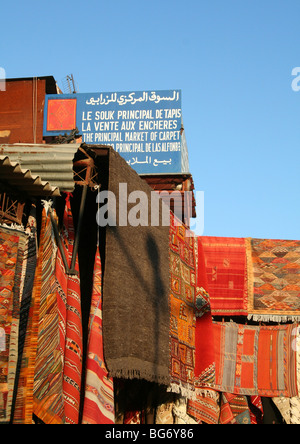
(70, 320)
(204, 372)
(226, 268)
(234, 409)
(24, 400)
(182, 302)
(13, 247)
(98, 405)
(29, 265)
(135, 283)
(255, 360)
(205, 407)
(48, 402)
(274, 280)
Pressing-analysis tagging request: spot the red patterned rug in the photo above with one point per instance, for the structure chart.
(226, 268)
(182, 303)
(255, 360)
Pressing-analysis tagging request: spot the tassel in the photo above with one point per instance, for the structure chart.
(47, 204)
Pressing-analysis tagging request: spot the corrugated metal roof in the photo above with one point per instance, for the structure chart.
(38, 169)
(15, 177)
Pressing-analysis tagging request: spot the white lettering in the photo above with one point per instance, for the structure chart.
(296, 81)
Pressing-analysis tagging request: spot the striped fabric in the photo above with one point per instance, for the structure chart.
(30, 261)
(99, 392)
(13, 246)
(234, 409)
(205, 407)
(24, 401)
(255, 360)
(70, 322)
(48, 389)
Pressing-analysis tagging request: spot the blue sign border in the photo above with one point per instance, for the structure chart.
(145, 127)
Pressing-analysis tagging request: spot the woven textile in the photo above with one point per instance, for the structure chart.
(99, 390)
(290, 407)
(29, 266)
(70, 321)
(13, 245)
(164, 414)
(255, 360)
(30, 262)
(205, 372)
(274, 279)
(133, 418)
(205, 407)
(226, 267)
(182, 301)
(204, 339)
(48, 382)
(24, 402)
(136, 313)
(180, 412)
(256, 409)
(234, 409)
(203, 305)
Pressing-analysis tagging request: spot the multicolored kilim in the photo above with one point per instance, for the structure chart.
(24, 402)
(256, 409)
(70, 321)
(13, 245)
(205, 408)
(234, 409)
(30, 263)
(48, 382)
(255, 360)
(226, 267)
(182, 303)
(98, 405)
(274, 279)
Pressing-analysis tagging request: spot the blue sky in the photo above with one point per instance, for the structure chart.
(233, 61)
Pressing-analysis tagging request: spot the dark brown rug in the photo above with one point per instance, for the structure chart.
(136, 314)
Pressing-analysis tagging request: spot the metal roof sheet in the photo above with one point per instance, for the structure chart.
(38, 169)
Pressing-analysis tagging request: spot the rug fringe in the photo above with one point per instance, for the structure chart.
(47, 204)
(138, 374)
(13, 227)
(273, 318)
(208, 393)
(185, 391)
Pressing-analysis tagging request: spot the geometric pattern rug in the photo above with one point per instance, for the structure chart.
(274, 279)
(98, 407)
(13, 245)
(234, 409)
(182, 308)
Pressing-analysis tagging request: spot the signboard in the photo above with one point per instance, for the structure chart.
(144, 127)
